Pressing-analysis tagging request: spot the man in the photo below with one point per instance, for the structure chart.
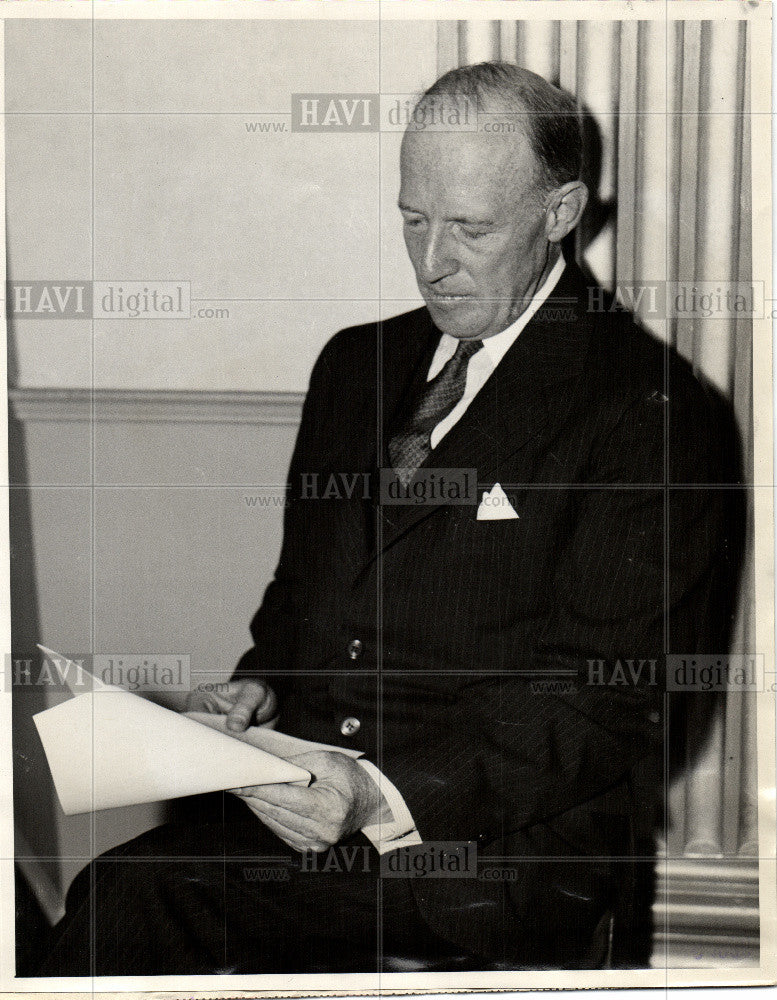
(426, 634)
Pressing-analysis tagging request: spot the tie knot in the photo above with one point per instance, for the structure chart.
(466, 348)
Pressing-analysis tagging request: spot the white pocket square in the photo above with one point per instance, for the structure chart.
(495, 506)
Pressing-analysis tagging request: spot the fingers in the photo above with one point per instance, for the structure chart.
(267, 709)
(251, 697)
(222, 703)
(320, 816)
(199, 701)
(243, 702)
(302, 826)
(295, 798)
(213, 702)
(302, 840)
(290, 837)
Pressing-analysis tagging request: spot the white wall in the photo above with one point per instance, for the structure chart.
(178, 566)
(181, 190)
(133, 536)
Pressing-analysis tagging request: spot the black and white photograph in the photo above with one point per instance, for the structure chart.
(389, 592)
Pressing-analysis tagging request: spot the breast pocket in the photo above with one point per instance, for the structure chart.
(498, 504)
(510, 561)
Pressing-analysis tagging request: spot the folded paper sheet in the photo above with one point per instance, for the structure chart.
(109, 748)
(280, 744)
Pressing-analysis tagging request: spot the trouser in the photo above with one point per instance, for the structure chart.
(222, 894)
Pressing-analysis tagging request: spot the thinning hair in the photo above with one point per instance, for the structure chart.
(549, 115)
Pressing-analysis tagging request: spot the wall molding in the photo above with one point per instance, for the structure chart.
(155, 406)
(706, 913)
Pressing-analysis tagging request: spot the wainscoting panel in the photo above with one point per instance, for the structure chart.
(169, 552)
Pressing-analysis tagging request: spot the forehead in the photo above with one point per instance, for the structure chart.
(471, 167)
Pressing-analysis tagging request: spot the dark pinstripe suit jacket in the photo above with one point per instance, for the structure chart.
(588, 425)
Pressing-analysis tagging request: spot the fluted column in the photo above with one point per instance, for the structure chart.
(685, 176)
(720, 173)
(704, 780)
(748, 791)
(665, 114)
(628, 104)
(654, 154)
(598, 75)
(538, 47)
(479, 41)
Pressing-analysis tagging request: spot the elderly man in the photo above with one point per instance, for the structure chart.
(497, 661)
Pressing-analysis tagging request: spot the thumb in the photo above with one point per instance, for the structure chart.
(251, 695)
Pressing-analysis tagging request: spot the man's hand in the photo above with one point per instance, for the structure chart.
(341, 800)
(244, 703)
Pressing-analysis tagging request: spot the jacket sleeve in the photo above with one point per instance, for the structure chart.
(274, 626)
(635, 581)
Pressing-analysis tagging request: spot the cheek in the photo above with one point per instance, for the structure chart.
(409, 245)
(495, 275)
(513, 271)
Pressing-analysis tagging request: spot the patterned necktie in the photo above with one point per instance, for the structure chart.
(410, 448)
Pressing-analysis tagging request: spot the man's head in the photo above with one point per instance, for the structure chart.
(484, 211)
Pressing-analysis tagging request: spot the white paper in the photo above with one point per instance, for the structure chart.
(73, 674)
(109, 748)
(270, 740)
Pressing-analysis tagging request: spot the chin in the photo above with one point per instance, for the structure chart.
(457, 322)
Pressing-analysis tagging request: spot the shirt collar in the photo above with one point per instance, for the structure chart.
(497, 346)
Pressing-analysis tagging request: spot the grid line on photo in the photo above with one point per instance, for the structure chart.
(379, 536)
(92, 464)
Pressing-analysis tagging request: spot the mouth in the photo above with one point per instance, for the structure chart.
(443, 298)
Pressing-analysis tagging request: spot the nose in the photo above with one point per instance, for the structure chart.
(437, 259)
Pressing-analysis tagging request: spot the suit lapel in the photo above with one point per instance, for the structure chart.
(405, 364)
(402, 363)
(528, 393)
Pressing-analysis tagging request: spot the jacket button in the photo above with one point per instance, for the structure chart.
(355, 648)
(350, 726)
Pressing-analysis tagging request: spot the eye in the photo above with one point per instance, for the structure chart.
(413, 221)
(472, 233)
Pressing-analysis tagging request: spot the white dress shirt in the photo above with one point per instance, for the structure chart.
(482, 364)
(401, 831)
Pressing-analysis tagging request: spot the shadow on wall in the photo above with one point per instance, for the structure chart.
(599, 213)
(690, 715)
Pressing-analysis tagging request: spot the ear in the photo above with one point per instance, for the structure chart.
(565, 206)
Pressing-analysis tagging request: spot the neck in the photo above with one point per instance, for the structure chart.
(552, 254)
(551, 259)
